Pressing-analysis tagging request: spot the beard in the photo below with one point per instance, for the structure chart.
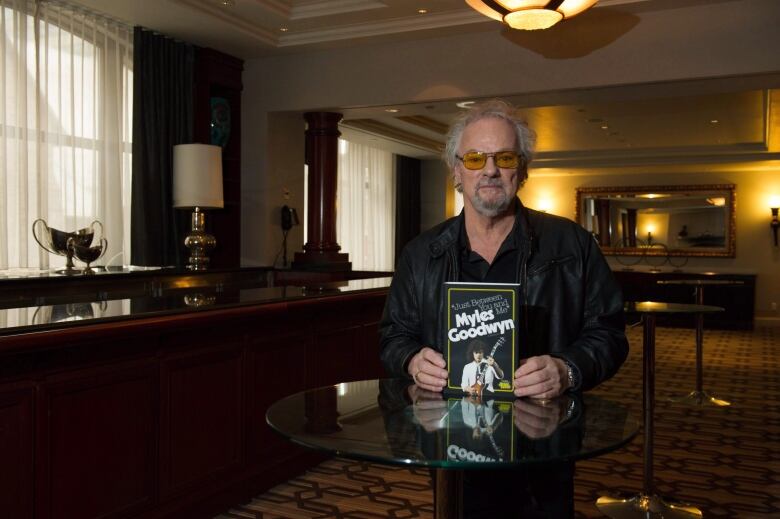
(496, 206)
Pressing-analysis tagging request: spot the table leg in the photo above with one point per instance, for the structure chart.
(647, 504)
(699, 396)
(448, 494)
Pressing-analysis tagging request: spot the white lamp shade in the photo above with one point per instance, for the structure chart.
(197, 176)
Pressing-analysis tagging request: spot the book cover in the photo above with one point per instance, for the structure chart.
(482, 350)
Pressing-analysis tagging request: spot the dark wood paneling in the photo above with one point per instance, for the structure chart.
(97, 450)
(16, 453)
(276, 368)
(201, 421)
(164, 417)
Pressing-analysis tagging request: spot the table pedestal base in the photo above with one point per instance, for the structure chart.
(448, 494)
(643, 506)
(703, 398)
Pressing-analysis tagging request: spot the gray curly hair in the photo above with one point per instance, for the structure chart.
(526, 137)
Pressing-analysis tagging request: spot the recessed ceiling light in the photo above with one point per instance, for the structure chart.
(714, 121)
(604, 127)
(228, 3)
(464, 104)
(391, 110)
(283, 29)
(422, 11)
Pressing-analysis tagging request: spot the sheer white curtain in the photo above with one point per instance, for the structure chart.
(65, 127)
(365, 206)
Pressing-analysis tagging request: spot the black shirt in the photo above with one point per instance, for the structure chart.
(475, 269)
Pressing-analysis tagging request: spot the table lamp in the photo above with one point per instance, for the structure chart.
(197, 185)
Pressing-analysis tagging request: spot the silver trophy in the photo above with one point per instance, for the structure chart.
(88, 254)
(58, 242)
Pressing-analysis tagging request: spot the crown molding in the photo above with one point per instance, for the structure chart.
(395, 134)
(332, 7)
(238, 23)
(394, 26)
(652, 157)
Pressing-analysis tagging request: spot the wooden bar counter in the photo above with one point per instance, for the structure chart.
(144, 394)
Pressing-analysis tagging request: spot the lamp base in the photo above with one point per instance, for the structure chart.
(199, 242)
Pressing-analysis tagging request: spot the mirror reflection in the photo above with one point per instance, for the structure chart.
(660, 220)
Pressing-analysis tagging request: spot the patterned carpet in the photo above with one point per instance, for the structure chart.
(724, 460)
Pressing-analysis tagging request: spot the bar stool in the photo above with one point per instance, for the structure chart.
(647, 504)
(699, 396)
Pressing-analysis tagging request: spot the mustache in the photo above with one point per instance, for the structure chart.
(489, 182)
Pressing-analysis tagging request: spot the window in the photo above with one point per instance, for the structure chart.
(365, 206)
(65, 128)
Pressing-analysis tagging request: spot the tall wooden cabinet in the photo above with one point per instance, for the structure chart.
(218, 84)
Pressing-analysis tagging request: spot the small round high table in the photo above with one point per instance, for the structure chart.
(647, 504)
(699, 396)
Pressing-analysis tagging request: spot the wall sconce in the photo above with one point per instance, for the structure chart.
(775, 223)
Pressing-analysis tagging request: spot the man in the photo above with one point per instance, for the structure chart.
(572, 330)
(480, 372)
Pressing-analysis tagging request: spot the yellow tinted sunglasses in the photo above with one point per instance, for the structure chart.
(476, 159)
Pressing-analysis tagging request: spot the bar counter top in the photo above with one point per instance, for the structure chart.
(46, 301)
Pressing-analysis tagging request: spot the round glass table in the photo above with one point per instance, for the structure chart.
(391, 421)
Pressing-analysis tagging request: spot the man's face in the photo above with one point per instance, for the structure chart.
(489, 190)
(478, 355)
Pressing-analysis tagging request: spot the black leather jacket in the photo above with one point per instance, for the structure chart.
(573, 305)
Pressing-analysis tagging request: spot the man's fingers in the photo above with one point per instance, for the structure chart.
(434, 357)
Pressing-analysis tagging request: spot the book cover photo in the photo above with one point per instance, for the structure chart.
(482, 350)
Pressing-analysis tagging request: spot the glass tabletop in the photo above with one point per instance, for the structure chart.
(391, 421)
(652, 307)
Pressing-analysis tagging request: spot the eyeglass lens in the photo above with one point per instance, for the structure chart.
(478, 159)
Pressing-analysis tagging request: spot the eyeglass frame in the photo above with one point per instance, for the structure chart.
(521, 160)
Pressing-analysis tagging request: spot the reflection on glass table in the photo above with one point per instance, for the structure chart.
(391, 422)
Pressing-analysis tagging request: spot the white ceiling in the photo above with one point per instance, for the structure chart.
(650, 123)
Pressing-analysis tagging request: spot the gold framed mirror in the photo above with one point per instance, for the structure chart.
(692, 220)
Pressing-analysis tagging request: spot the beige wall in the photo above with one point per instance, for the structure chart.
(679, 40)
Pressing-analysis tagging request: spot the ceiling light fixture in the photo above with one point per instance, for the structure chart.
(422, 11)
(530, 15)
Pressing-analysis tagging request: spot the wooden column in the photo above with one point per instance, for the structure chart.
(321, 251)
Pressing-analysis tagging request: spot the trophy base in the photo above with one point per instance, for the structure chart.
(69, 271)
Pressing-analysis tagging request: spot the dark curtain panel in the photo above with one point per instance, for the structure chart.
(407, 201)
(162, 117)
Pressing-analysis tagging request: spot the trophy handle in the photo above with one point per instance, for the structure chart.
(99, 225)
(103, 244)
(48, 246)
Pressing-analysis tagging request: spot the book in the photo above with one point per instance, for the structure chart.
(482, 350)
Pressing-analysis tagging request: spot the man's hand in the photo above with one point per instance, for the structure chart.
(537, 420)
(541, 377)
(428, 407)
(427, 369)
